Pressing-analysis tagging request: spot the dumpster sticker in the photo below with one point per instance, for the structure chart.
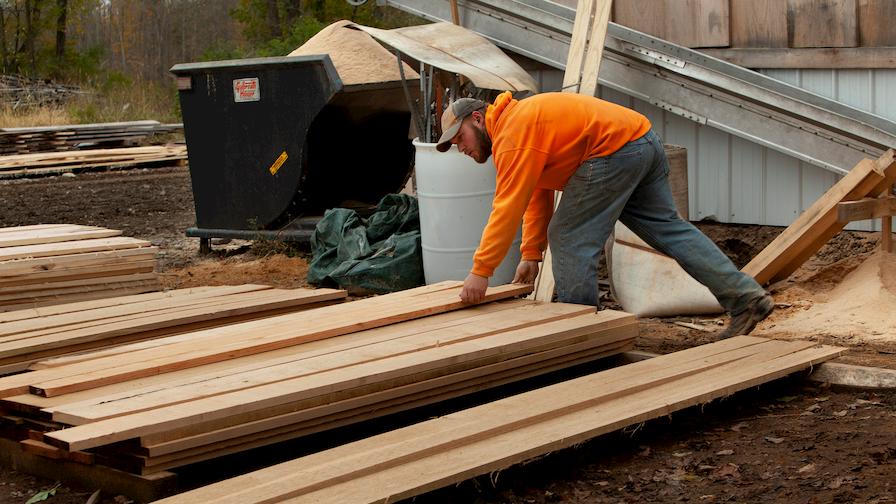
(246, 90)
(278, 163)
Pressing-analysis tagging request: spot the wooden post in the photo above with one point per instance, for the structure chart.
(455, 17)
(582, 66)
(886, 233)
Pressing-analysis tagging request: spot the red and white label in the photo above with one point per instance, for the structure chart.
(246, 90)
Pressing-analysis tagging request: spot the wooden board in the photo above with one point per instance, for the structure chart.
(843, 57)
(69, 232)
(255, 337)
(266, 396)
(866, 208)
(67, 248)
(822, 23)
(302, 365)
(758, 23)
(698, 23)
(814, 227)
(406, 462)
(876, 23)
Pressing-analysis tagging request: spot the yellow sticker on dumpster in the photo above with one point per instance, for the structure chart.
(278, 163)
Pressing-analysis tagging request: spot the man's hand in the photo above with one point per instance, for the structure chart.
(526, 272)
(474, 289)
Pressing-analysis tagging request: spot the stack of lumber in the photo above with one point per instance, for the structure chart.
(51, 163)
(59, 263)
(52, 333)
(406, 462)
(225, 390)
(73, 136)
(819, 223)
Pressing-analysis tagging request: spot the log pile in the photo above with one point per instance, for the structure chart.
(59, 263)
(213, 392)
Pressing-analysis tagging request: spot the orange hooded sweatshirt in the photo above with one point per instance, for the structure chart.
(537, 144)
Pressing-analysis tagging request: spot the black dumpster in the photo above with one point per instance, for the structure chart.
(273, 142)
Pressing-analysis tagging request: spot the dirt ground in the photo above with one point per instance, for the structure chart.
(790, 441)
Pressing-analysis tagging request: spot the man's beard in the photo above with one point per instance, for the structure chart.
(485, 146)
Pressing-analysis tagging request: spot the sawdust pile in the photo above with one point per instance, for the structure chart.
(853, 300)
(277, 270)
(358, 58)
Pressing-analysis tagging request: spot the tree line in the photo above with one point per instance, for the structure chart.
(76, 40)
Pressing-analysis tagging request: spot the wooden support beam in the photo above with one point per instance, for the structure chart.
(866, 208)
(582, 68)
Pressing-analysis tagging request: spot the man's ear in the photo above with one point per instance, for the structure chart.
(477, 116)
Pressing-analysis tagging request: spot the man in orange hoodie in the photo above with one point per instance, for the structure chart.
(610, 166)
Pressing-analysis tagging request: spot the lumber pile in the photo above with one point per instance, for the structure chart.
(74, 136)
(52, 163)
(224, 390)
(819, 223)
(406, 462)
(59, 263)
(60, 334)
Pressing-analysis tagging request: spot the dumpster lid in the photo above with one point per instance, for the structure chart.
(456, 49)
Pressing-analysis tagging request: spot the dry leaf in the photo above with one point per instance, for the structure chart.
(774, 440)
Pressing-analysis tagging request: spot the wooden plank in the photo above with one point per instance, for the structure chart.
(405, 462)
(758, 23)
(818, 223)
(876, 23)
(27, 266)
(119, 290)
(47, 342)
(73, 286)
(856, 57)
(698, 23)
(266, 396)
(854, 376)
(345, 412)
(648, 16)
(67, 248)
(30, 403)
(866, 208)
(314, 368)
(55, 235)
(270, 334)
(51, 277)
(48, 318)
(822, 23)
(170, 296)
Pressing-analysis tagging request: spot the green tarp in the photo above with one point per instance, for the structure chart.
(375, 255)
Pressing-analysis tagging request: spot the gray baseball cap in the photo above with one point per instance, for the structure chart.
(453, 116)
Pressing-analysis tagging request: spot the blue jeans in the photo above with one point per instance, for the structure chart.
(631, 185)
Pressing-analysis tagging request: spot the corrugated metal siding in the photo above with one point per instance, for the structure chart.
(734, 180)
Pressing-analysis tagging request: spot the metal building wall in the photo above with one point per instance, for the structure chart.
(734, 180)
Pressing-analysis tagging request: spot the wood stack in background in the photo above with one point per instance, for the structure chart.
(51, 163)
(58, 263)
(73, 136)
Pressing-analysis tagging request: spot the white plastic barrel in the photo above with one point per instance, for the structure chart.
(455, 196)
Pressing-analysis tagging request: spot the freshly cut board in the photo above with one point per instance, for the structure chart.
(409, 461)
(48, 264)
(27, 337)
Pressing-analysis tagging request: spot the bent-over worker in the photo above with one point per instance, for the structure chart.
(610, 166)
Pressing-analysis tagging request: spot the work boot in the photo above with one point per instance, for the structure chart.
(757, 310)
